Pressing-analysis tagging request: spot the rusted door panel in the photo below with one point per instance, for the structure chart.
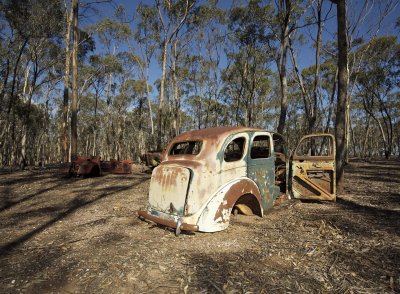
(313, 168)
(168, 189)
(260, 167)
(311, 182)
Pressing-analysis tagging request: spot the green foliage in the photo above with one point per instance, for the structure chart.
(27, 17)
(86, 45)
(149, 26)
(381, 64)
(249, 23)
(112, 32)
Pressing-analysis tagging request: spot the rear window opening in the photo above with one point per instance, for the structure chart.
(186, 148)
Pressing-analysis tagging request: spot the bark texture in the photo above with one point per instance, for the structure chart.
(74, 100)
(343, 77)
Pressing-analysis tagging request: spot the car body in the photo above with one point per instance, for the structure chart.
(93, 166)
(151, 158)
(206, 174)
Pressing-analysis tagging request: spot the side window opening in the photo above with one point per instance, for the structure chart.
(260, 147)
(186, 148)
(234, 150)
(315, 146)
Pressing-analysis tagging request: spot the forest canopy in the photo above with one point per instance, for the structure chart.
(125, 82)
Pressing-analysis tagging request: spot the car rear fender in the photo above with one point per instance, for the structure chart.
(216, 214)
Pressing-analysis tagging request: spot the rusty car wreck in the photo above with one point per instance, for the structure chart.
(151, 158)
(207, 174)
(93, 166)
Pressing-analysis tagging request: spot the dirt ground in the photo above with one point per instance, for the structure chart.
(82, 235)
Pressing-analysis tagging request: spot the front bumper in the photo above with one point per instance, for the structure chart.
(165, 222)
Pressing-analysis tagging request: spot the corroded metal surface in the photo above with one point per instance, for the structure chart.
(93, 166)
(168, 187)
(314, 174)
(151, 158)
(261, 168)
(84, 166)
(165, 222)
(116, 166)
(216, 215)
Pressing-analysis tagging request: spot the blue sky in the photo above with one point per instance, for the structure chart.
(367, 27)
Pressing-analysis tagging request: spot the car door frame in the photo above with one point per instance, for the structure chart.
(305, 170)
(262, 171)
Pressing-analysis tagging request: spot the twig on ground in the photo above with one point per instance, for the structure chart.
(334, 262)
(216, 287)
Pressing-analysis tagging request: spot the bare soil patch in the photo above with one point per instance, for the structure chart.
(82, 235)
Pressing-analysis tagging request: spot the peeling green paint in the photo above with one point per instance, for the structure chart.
(262, 171)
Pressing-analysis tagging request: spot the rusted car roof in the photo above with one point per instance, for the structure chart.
(212, 138)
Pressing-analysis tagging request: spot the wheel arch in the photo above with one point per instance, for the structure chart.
(248, 204)
(216, 214)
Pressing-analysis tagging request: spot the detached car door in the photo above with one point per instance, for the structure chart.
(312, 170)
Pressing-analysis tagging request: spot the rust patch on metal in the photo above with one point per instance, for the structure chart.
(152, 158)
(119, 167)
(93, 166)
(168, 223)
(82, 166)
(168, 188)
(245, 189)
(311, 183)
(314, 173)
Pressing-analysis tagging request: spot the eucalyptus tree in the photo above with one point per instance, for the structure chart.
(342, 97)
(246, 77)
(74, 39)
(74, 78)
(172, 16)
(41, 61)
(134, 111)
(179, 63)
(68, 17)
(376, 83)
(147, 37)
(311, 88)
(98, 69)
(112, 34)
(283, 22)
(205, 64)
(31, 46)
